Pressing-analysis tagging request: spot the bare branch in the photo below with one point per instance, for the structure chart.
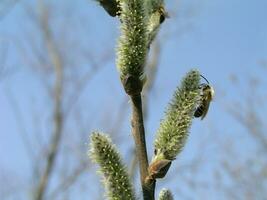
(58, 117)
(140, 143)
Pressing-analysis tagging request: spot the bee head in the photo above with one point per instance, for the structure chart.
(208, 91)
(207, 88)
(212, 93)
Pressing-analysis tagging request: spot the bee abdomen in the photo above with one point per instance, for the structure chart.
(199, 111)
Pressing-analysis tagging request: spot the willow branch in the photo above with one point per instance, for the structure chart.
(58, 117)
(140, 143)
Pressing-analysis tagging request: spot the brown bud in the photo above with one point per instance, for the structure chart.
(163, 14)
(132, 85)
(159, 168)
(111, 6)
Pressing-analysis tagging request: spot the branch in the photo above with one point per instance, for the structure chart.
(140, 24)
(140, 144)
(58, 117)
(152, 68)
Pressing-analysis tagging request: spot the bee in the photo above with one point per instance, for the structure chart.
(206, 96)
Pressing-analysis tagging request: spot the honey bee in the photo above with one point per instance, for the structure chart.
(206, 96)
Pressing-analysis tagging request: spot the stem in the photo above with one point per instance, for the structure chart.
(58, 120)
(138, 131)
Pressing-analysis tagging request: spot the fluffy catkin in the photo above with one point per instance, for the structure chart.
(132, 44)
(174, 128)
(165, 195)
(116, 179)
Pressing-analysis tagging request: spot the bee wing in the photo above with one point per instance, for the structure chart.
(205, 108)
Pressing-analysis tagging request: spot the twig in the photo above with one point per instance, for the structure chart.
(138, 131)
(152, 68)
(58, 117)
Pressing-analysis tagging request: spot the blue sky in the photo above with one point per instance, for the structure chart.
(220, 38)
